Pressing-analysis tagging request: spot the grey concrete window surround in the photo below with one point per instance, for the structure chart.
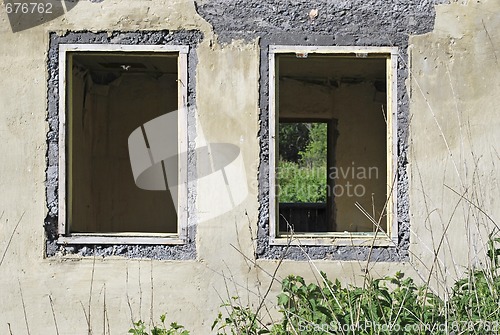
(337, 23)
(185, 250)
(321, 247)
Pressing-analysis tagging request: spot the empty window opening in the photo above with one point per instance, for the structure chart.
(109, 94)
(303, 182)
(333, 142)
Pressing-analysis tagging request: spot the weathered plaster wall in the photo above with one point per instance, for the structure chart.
(454, 137)
(178, 286)
(347, 23)
(230, 89)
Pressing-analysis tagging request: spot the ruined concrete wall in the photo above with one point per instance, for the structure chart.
(344, 23)
(454, 138)
(231, 99)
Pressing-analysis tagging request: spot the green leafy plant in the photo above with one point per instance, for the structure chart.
(173, 329)
(300, 184)
(382, 306)
(475, 302)
(239, 321)
(388, 305)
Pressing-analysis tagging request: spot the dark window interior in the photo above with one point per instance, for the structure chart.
(109, 96)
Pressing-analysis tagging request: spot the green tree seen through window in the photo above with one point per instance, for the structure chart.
(302, 168)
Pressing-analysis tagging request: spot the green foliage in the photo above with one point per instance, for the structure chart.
(383, 306)
(173, 329)
(293, 138)
(300, 184)
(239, 321)
(475, 302)
(315, 153)
(302, 168)
(389, 305)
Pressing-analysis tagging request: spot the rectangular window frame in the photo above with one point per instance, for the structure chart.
(337, 238)
(64, 236)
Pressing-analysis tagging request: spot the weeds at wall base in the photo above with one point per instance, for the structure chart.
(139, 328)
(388, 305)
